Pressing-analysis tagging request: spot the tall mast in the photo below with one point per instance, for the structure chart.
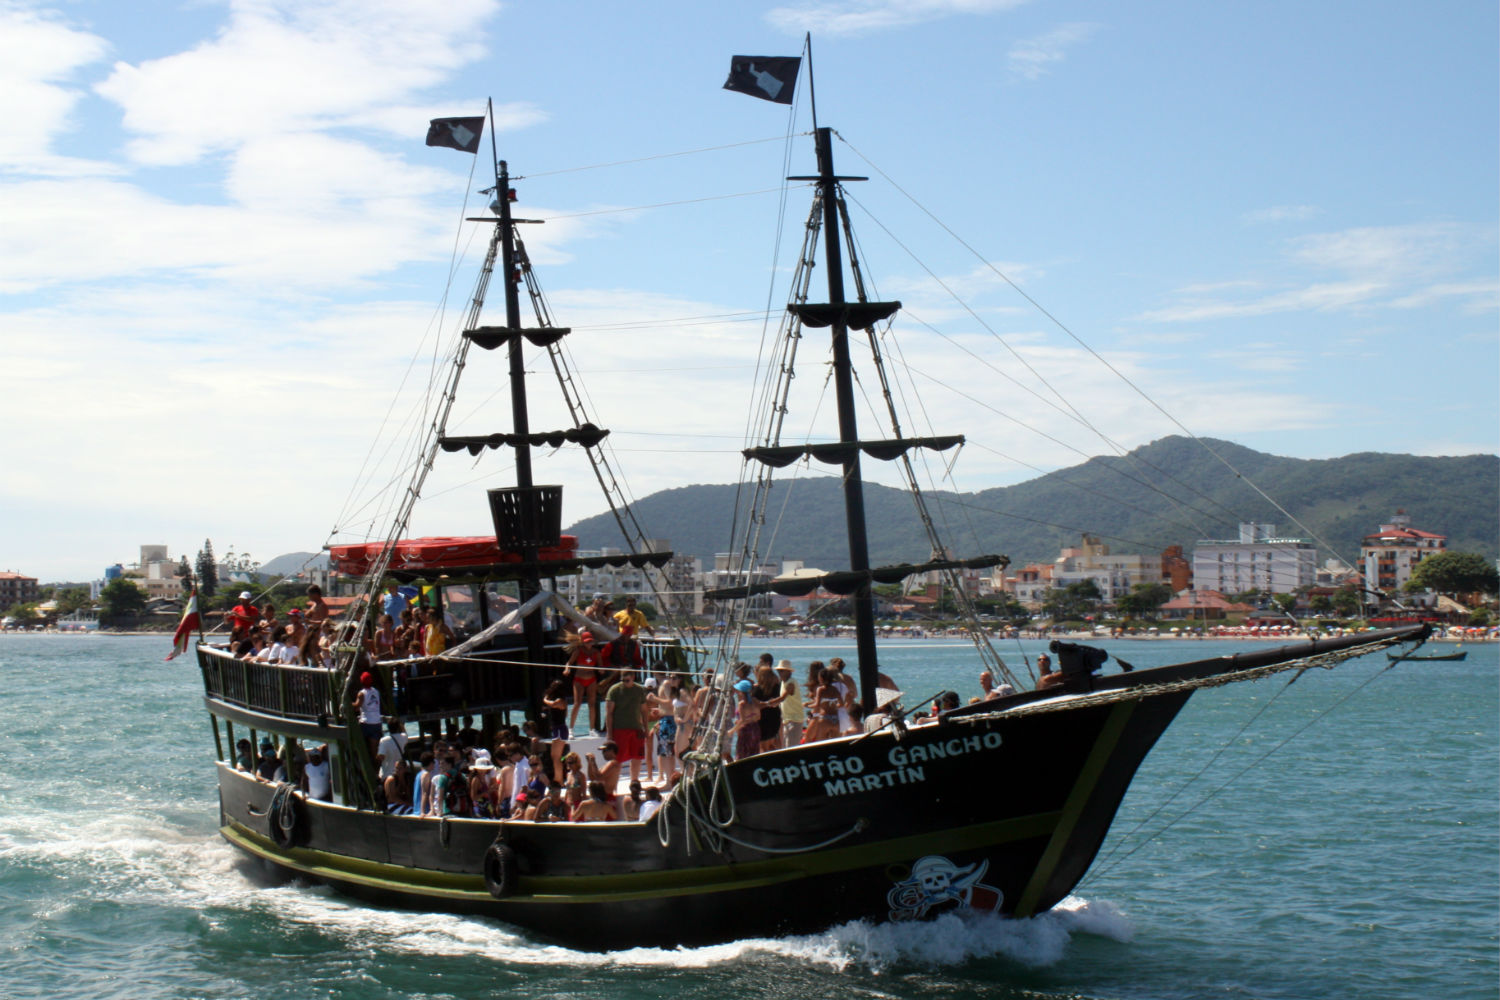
(520, 418)
(525, 508)
(843, 375)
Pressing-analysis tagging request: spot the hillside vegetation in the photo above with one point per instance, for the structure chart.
(1172, 491)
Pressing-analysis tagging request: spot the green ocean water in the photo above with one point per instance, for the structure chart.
(1340, 837)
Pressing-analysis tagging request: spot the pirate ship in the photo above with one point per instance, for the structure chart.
(878, 825)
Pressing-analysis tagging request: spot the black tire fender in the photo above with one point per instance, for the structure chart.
(500, 874)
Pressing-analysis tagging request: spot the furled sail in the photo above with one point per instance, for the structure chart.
(835, 452)
(491, 337)
(586, 434)
(848, 581)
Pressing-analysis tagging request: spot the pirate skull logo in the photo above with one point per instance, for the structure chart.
(935, 881)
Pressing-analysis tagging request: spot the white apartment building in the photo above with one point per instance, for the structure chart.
(1114, 575)
(1257, 560)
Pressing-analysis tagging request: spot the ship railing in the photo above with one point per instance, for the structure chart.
(273, 688)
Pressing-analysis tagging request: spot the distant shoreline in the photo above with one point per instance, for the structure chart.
(1067, 636)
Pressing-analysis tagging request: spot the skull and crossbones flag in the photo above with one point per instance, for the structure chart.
(456, 133)
(771, 78)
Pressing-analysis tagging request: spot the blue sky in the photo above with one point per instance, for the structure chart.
(225, 244)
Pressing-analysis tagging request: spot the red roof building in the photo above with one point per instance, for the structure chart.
(1389, 556)
(1202, 604)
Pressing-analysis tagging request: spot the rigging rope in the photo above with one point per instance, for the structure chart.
(1059, 324)
(1247, 768)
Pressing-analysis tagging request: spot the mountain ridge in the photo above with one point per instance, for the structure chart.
(1208, 493)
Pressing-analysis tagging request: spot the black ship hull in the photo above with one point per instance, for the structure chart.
(822, 834)
(1001, 806)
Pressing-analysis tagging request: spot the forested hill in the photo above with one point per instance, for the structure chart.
(1172, 491)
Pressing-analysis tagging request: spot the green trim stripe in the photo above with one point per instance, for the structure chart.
(639, 884)
(1072, 810)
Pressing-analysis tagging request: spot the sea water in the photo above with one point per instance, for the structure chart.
(1333, 837)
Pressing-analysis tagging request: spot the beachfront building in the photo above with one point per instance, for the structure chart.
(684, 585)
(1113, 574)
(1202, 606)
(1258, 560)
(1030, 584)
(1176, 569)
(729, 571)
(155, 574)
(16, 589)
(1389, 556)
(645, 583)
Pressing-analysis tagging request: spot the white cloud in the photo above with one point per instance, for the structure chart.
(1323, 296)
(53, 235)
(857, 17)
(1032, 58)
(1281, 213)
(1384, 253)
(1482, 296)
(283, 66)
(1380, 267)
(38, 56)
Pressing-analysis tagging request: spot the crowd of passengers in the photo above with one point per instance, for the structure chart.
(524, 777)
(531, 773)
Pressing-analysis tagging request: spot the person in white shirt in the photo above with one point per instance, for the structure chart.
(392, 747)
(317, 781)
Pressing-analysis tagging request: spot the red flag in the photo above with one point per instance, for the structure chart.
(185, 629)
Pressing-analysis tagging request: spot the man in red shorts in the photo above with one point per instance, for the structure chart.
(625, 718)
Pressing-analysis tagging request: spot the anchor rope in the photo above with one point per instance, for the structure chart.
(702, 824)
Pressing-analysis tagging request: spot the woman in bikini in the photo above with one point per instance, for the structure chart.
(384, 640)
(575, 787)
(683, 713)
(666, 726)
(583, 659)
(824, 708)
(850, 690)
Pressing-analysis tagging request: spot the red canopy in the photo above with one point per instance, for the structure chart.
(445, 552)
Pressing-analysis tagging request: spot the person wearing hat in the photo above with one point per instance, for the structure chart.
(268, 767)
(583, 661)
(316, 781)
(296, 628)
(241, 618)
(244, 758)
(793, 711)
(622, 654)
(367, 704)
(747, 714)
(482, 788)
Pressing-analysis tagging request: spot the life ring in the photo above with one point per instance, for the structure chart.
(500, 875)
